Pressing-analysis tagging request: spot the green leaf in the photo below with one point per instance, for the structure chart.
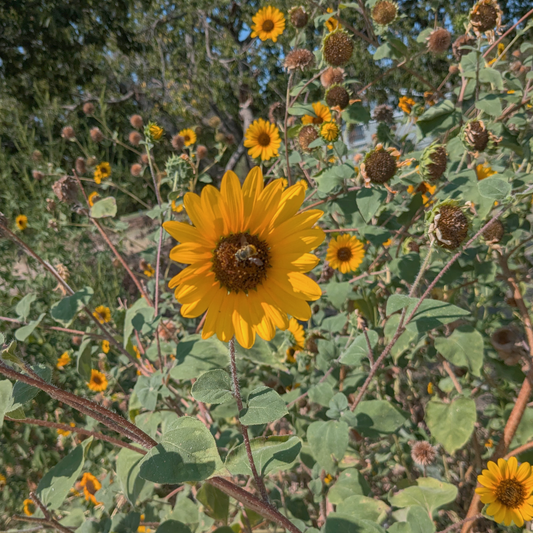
(451, 424)
(429, 494)
(302, 109)
(369, 201)
(490, 104)
(173, 526)
(494, 188)
(358, 350)
(6, 389)
(65, 310)
(141, 303)
(337, 293)
(25, 331)
(377, 417)
(104, 208)
(128, 468)
(215, 502)
(147, 389)
(419, 520)
(23, 307)
(125, 523)
(188, 452)
(271, 454)
(83, 361)
(400, 527)
(440, 117)
(464, 347)
(364, 508)
(356, 113)
(213, 387)
(23, 393)
(350, 483)
(57, 482)
(321, 393)
(343, 523)
(264, 405)
(491, 75)
(328, 441)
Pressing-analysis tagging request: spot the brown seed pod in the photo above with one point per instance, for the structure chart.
(433, 162)
(276, 112)
(452, 227)
(423, 453)
(384, 12)
(299, 59)
(485, 16)
(136, 169)
(201, 152)
(508, 341)
(135, 138)
(327, 273)
(439, 41)
(384, 113)
(379, 166)
(331, 76)
(66, 189)
(494, 232)
(453, 69)
(457, 47)
(214, 122)
(37, 175)
(96, 135)
(307, 135)
(92, 161)
(136, 121)
(88, 108)
(337, 48)
(178, 142)
(68, 133)
(337, 95)
(298, 17)
(476, 135)
(81, 167)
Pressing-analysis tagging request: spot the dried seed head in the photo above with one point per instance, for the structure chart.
(136, 169)
(96, 135)
(384, 12)
(457, 47)
(453, 69)
(88, 108)
(476, 135)
(50, 205)
(494, 232)
(68, 133)
(337, 48)
(485, 16)
(307, 135)
(214, 122)
(337, 95)
(508, 341)
(229, 139)
(299, 59)
(81, 168)
(178, 142)
(451, 227)
(298, 17)
(379, 166)
(331, 76)
(384, 113)
(36, 156)
(135, 138)
(136, 121)
(439, 41)
(327, 273)
(433, 162)
(37, 175)
(66, 189)
(201, 152)
(423, 453)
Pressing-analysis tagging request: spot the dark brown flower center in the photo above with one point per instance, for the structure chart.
(511, 493)
(241, 262)
(187, 138)
(318, 120)
(344, 253)
(97, 380)
(263, 139)
(89, 485)
(268, 25)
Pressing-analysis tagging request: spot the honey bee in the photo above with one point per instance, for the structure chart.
(247, 252)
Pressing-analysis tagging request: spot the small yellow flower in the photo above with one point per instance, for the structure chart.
(423, 188)
(93, 197)
(406, 104)
(29, 507)
(328, 479)
(262, 139)
(177, 208)
(3, 480)
(332, 23)
(64, 432)
(156, 132)
(297, 333)
(189, 136)
(143, 529)
(91, 486)
(102, 314)
(506, 487)
(269, 23)
(102, 172)
(98, 381)
(322, 112)
(345, 253)
(511, 92)
(330, 131)
(63, 360)
(387, 243)
(137, 352)
(105, 346)
(22, 222)
(489, 443)
(149, 271)
(430, 388)
(484, 171)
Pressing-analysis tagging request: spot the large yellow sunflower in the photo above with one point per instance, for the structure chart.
(269, 23)
(248, 251)
(322, 112)
(91, 486)
(98, 381)
(507, 489)
(189, 136)
(345, 253)
(262, 137)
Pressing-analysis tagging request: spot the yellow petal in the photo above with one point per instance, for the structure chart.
(233, 201)
(190, 252)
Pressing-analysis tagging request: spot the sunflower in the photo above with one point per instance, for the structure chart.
(3, 480)
(322, 112)
(262, 139)
(189, 136)
(102, 314)
(93, 198)
(345, 253)
(269, 23)
(143, 529)
(63, 360)
(155, 131)
(330, 131)
(406, 104)
(177, 208)
(91, 486)
(105, 346)
(149, 271)
(102, 172)
(29, 507)
(98, 381)
(248, 251)
(427, 190)
(332, 23)
(22, 222)
(507, 489)
(484, 170)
